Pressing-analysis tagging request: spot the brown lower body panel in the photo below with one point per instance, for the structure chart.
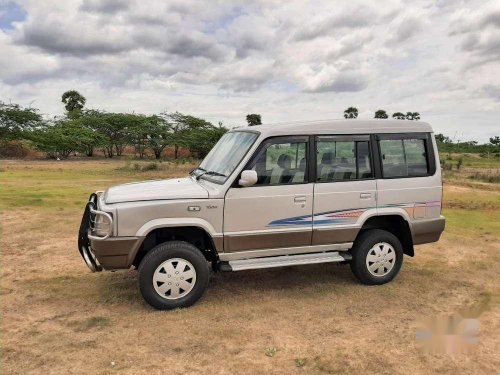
(218, 243)
(427, 231)
(267, 240)
(324, 236)
(115, 253)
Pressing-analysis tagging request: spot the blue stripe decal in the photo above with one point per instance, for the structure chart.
(330, 217)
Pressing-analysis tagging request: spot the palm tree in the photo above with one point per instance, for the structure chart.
(399, 115)
(254, 119)
(73, 100)
(381, 114)
(351, 112)
(413, 116)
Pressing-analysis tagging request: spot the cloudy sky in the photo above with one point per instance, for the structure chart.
(293, 60)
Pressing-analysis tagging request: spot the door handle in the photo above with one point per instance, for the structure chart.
(299, 198)
(365, 195)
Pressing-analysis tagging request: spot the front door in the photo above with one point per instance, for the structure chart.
(345, 189)
(276, 212)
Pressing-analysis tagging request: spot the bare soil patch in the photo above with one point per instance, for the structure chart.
(58, 318)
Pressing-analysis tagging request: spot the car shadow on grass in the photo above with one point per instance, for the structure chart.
(286, 280)
(121, 288)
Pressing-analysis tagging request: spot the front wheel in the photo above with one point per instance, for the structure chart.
(173, 274)
(377, 256)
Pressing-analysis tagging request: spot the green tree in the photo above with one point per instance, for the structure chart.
(182, 129)
(160, 135)
(441, 138)
(73, 102)
(495, 141)
(112, 126)
(116, 129)
(139, 130)
(381, 114)
(254, 119)
(415, 116)
(60, 139)
(91, 120)
(351, 112)
(202, 140)
(98, 121)
(85, 136)
(399, 115)
(16, 121)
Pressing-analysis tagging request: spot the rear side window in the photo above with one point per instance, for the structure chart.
(404, 158)
(342, 160)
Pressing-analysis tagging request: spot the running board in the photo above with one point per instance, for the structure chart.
(283, 261)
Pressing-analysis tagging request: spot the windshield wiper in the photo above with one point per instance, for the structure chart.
(210, 173)
(200, 168)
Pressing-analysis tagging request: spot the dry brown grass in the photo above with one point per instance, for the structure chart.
(58, 318)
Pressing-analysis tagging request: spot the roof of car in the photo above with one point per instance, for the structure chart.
(344, 126)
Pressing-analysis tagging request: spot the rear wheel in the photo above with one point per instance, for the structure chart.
(377, 256)
(173, 274)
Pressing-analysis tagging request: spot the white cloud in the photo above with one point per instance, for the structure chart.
(285, 60)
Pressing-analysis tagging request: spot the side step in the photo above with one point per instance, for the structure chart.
(284, 260)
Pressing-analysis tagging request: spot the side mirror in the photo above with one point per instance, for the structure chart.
(248, 178)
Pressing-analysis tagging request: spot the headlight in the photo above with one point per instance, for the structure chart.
(102, 227)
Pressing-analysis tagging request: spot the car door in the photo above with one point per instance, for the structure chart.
(275, 213)
(345, 188)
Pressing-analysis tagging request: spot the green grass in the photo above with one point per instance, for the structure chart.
(472, 222)
(493, 177)
(97, 321)
(67, 184)
(470, 160)
(58, 315)
(471, 199)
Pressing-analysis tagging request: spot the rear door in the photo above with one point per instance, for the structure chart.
(345, 188)
(276, 212)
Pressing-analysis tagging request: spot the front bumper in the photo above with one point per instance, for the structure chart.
(104, 252)
(116, 252)
(83, 236)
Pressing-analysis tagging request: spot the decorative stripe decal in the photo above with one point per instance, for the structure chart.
(344, 216)
(332, 217)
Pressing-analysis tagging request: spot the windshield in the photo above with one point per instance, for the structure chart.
(225, 156)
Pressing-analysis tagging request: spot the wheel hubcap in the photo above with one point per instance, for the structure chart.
(381, 259)
(174, 278)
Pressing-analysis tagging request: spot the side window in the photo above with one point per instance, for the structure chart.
(282, 162)
(404, 157)
(416, 157)
(339, 160)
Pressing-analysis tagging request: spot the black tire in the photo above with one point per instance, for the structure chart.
(162, 253)
(363, 245)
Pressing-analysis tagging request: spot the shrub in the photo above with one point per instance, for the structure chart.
(447, 166)
(13, 149)
(486, 177)
(151, 167)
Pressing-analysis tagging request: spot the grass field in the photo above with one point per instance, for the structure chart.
(58, 318)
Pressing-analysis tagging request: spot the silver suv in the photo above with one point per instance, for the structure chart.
(348, 191)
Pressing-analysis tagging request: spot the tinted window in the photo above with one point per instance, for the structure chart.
(416, 158)
(282, 163)
(363, 160)
(342, 160)
(403, 157)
